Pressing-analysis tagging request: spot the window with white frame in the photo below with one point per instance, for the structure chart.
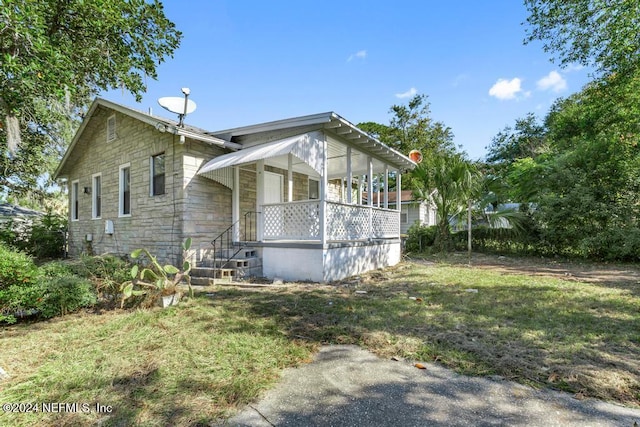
(314, 189)
(75, 202)
(111, 128)
(157, 174)
(404, 217)
(96, 196)
(124, 205)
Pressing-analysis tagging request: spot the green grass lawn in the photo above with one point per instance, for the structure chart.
(199, 361)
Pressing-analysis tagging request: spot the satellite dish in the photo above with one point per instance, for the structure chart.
(180, 106)
(176, 105)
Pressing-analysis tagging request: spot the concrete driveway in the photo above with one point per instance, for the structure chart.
(349, 386)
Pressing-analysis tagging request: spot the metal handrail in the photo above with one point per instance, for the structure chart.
(226, 237)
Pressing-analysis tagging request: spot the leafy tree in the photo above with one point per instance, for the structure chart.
(411, 127)
(55, 55)
(593, 181)
(450, 181)
(525, 139)
(588, 32)
(511, 150)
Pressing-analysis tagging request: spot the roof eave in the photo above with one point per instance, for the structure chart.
(309, 120)
(328, 121)
(162, 124)
(360, 137)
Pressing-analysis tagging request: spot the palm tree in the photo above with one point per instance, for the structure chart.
(455, 180)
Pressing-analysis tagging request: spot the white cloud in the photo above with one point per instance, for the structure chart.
(552, 81)
(361, 54)
(507, 89)
(572, 67)
(407, 94)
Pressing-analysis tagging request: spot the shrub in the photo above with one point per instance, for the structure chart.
(106, 271)
(8, 234)
(49, 291)
(619, 244)
(420, 237)
(47, 237)
(16, 268)
(65, 294)
(58, 268)
(19, 300)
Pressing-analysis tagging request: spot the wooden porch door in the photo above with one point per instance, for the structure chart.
(273, 187)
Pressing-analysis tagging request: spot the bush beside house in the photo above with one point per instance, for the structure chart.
(42, 235)
(56, 287)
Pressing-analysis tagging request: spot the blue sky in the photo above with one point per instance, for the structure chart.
(249, 62)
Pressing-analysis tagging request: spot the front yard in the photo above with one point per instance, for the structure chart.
(545, 324)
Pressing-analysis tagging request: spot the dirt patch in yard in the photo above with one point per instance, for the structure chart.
(589, 272)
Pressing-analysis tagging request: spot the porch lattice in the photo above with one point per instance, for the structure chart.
(292, 221)
(301, 221)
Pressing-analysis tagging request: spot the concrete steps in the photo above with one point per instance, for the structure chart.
(243, 264)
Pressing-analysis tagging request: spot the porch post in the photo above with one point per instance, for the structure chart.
(323, 194)
(379, 191)
(398, 190)
(260, 199)
(235, 204)
(370, 181)
(399, 198)
(360, 182)
(290, 178)
(370, 198)
(349, 176)
(386, 186)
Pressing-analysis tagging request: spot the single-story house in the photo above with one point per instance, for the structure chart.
(18, 218)
(274, 192)
(412, 211)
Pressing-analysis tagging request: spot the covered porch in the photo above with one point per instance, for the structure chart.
(305, 196)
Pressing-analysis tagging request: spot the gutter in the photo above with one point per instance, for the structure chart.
(183, 133)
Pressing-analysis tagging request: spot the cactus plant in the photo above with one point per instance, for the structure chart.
(155, 280)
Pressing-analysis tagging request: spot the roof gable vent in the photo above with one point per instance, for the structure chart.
(111, 128)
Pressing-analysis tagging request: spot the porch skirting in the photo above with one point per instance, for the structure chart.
(294, 261)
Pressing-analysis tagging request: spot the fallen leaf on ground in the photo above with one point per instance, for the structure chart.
(420, 366)
(581, 395)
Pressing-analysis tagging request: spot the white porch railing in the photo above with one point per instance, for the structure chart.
(292, 221)
(301, 221)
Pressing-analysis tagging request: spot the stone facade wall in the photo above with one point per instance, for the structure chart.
(248, 202)
(207, 204)
(191, 206)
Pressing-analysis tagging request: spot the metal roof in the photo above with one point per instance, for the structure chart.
(300, 146)
(7, 209)
(330, 122)
(333, 123)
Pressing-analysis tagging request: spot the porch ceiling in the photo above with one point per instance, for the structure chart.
(307, 159)
(337, 161)
(305, 147)
(337, 126)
